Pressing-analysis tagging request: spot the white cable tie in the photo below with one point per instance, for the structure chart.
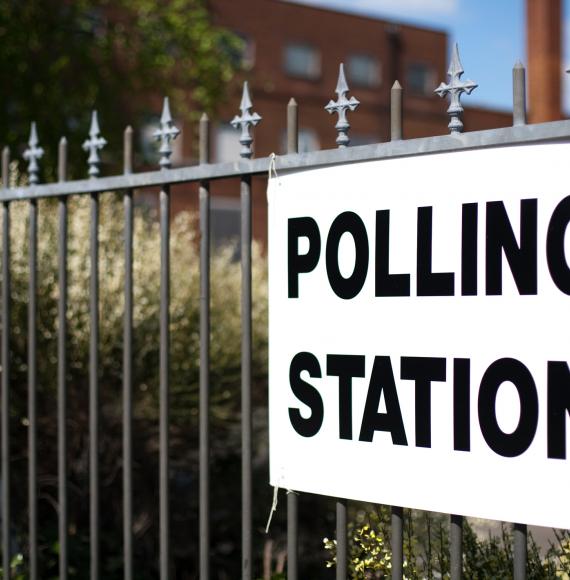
(273, 507)
(272, 171)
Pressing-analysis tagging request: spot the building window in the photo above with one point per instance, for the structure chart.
(364, 70)
(302, 60)
(244, 57)
(420, 79)
(240, 49)
(226, 143)
(308, 140)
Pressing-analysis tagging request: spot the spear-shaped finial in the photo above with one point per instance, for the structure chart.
(93, 145)
(166, 134)
(455, 89)
(342, 106)
(32, 155)
(245, 122)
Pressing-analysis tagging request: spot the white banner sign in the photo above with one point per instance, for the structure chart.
(419, 331)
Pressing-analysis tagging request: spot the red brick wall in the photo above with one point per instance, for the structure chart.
(544, 32)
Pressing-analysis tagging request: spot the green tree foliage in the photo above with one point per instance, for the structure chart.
(60, 58)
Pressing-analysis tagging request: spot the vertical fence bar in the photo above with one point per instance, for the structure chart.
(519, 551)
(204, 197)
(62, 366)
(341, 539)
(32, 390)
(6, 548)
(397, 542)
(341, 107)
(456, 547)
(519, 118)
(94, 387)
(245, 122)
(397, 513)
(292, 498)
(456, 522)
(246, 339)
(396, 115)
(128, 365)
(164, 381)
(165, 134)
(519, 94)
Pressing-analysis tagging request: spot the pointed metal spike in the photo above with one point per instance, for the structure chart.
(455, 88)
(245, 122)
(341, 107)
(62, 160)
(245, 98)
(33, 154)
(94, 128)
(93, 145)
(519, 94)
(33, 135)
(455, 67)
(166, 134)
(166, 116)
(341, 85)
(6, 167)
(204, 139)
(128, 149)
(396, 94)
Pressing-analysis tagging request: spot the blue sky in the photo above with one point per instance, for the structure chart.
(490, 33)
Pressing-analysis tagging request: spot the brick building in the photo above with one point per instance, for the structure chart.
(544, 56)
(294, 50)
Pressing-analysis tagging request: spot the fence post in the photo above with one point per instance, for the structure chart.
(93, 145)
(519, 94)
(341, 107)
(456, 547)
(6, 476)
(128, 364)
(396, 116)
(397, 542)
(166, 134)
(33, 154)
(244, 123)
(62, 364)
(397, 515)
(292, 498)
(519, 118)
(204, 201)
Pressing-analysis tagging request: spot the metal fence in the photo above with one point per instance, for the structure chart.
(202, 174)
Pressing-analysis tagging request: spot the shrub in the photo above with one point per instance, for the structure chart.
(426, 550)
(184, 375)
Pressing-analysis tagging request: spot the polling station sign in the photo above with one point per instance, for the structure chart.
(419, 332)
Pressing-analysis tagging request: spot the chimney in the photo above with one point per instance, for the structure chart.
(544, 40)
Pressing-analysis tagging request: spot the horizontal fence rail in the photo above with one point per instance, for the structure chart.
(164, 179)
(527, 134)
